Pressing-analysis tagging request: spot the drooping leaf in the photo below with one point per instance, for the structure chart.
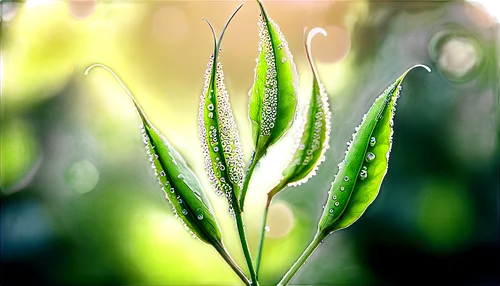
(218, 132)
(182, 188)
(314, 132)
(363, 169)
(273, 97)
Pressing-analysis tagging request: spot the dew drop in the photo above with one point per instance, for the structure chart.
(179, 201)
(370, 156)
(162, 173)
(346, 178)
(331, 211)
(268, 228)
(200, 216)
(180, 176)
(373, 141)
(216, 149)
(210, 115)
(184, 212)
(334, 197)
(363, 174)
(210, 107)
(283, 60)
(342, 189)
(336, 204)
(172, 190)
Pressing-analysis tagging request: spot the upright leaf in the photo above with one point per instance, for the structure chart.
(364, 167)
(273, 97)
(218, 132)
(314, 133)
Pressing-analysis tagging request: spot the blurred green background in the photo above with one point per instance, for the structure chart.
(79, 201)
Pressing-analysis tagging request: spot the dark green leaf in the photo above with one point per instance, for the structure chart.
(182, 189)
(360, 175)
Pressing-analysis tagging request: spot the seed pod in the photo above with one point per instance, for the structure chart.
(361, 173)
(273, 97)
(182, 188)
(314, 133)
(218, 132)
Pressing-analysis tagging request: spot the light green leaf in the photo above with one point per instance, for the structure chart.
(360, 175)
(218, 132)
(182, 188)
(314, 132)
(273, 97)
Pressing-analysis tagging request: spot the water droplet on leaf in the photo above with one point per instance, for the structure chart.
(370, 156)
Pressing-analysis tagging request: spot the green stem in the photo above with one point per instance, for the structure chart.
(244, 246)
(223, 252)
(318, 238)
(278, 187)
(253, 163)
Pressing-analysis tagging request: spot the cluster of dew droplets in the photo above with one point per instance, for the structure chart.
(163, 181)
(202, 132)
(391, 120)
(270, 100)
(229, 136)
(318, 128)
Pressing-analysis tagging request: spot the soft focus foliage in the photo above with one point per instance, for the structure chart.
(80, 204)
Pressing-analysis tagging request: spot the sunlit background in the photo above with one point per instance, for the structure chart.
(79, 201)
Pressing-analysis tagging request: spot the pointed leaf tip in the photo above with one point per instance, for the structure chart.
(365, 165)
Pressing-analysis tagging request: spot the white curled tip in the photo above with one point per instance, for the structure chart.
(310, 35)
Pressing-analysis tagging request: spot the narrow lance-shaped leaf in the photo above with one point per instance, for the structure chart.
(314, 133)
(181, 186)
(273, 97)
(182, 189)
(218, 132)
(360, 175)
(312, 139)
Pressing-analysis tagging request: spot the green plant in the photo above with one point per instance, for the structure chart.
(272, 111)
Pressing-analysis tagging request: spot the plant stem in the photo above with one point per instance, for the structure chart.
(318, 238)
(223, 252)
(253, 163)
(278, 187)
(269, 199)
(244, 245)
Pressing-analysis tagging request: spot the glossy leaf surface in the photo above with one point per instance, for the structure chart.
(273, 97)
(360, 175)
(182, 188)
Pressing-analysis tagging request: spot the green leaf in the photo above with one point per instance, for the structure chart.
(314, 132)
(218, 132)
(360, 175)
(182, 188)
(273, 98)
